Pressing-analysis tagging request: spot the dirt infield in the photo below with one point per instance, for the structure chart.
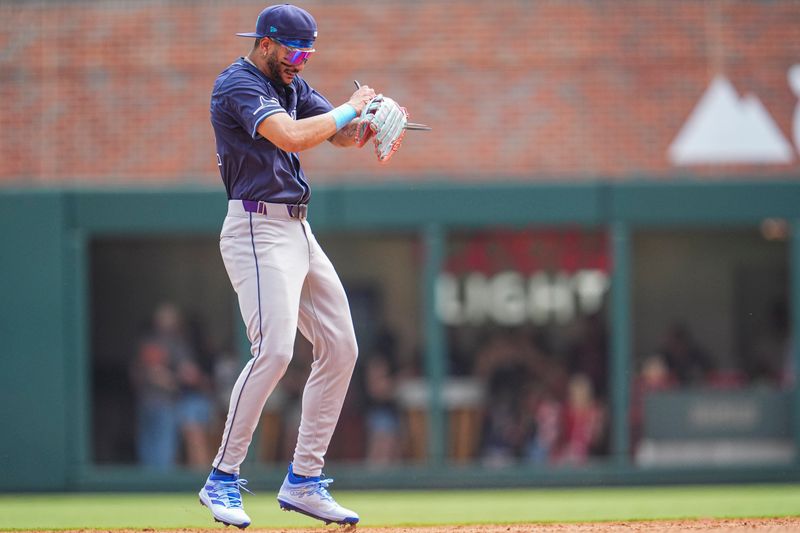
(734, 525)
(774, 525)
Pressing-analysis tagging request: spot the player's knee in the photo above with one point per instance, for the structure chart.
(281, 359)
(347, 350)
(277, 358)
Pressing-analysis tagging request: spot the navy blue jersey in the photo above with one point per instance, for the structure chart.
(251, 166)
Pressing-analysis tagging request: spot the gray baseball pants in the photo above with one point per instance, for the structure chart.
(285, 282)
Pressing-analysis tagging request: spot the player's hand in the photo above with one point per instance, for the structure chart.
(361, 97)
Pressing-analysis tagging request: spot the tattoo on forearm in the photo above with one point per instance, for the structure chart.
(349, 132)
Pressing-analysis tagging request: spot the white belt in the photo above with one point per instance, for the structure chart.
(241, 208)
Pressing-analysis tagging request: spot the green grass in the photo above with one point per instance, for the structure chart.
(377, 508)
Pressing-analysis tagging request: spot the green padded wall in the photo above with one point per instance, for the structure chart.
(32, 341)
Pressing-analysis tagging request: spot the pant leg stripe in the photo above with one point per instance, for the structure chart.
(258, 352)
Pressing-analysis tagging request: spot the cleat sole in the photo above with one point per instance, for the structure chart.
(226, 524)
(286, 506)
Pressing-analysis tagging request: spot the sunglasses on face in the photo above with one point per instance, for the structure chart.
(297, 55)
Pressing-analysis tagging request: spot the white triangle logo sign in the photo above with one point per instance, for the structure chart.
(726, 129)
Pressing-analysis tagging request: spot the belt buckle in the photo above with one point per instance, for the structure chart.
(262, 208)
(299, 211)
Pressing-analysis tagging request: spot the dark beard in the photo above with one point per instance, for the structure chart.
(274, 67)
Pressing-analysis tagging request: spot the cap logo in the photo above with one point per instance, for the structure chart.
(273, 29)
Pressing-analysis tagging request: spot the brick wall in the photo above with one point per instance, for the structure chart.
(117, 92)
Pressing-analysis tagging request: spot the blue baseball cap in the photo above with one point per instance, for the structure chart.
(285, 23)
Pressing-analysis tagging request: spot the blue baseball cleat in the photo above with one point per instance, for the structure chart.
(310, 497)
(222, 496)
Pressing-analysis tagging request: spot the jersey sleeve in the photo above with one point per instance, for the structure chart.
(310, 103)
(250, 103)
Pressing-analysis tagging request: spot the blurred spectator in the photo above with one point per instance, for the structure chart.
(501, 365)
(156, 386)
(584, 422)
(504, 351)
(173, 395)
(588, 352)
(653, 376)
(501, 432)
(382, 417)
(194, 401)
(685, 359)
(536, 411)
(194, 414)
(541, 425)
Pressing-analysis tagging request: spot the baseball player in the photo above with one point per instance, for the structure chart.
(263, 114)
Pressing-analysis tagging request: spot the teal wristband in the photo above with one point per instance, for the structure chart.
(342, 115)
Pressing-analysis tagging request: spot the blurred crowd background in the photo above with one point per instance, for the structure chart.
(527, 370)
(114, 94)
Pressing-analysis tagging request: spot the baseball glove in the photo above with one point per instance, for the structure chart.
(383, 120)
